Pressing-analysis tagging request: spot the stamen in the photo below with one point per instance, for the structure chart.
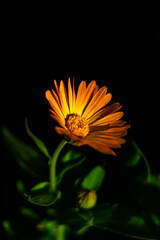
(77, 125)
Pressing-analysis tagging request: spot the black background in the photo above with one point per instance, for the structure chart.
(115, 44)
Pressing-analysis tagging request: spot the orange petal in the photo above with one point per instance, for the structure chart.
(108, 130)
(118, 123)
(110, 141)
(117, 131)
(99, 147)
(95, 90)
(106, 135)
(70, 95)
(90, 91)
(56, 86)
(57, 118)
(56, 97)
(73, 98)
(94, 129)
(108, 119)
(54, 104)
(102, 102)
(63, 99)
(94, 101)
(104, 112)
(63, 131)
(80, 96)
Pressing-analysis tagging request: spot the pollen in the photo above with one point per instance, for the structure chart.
(77, 125)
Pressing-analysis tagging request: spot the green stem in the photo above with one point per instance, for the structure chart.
(61, 232)
(53, 162)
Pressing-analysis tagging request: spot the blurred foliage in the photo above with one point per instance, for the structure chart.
(38, 141)
(94, 179)
(26, 156)
(127, 195)
(42, 195)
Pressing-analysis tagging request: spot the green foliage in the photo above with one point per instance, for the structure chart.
(155, 180)
(29, 213)
(40, 186)
(94, 179)
(37, 141)
(133, 210)
(53, 230)
(138, 216)
(140, 221)
(8, 229)
(70, 159)
(28, 158)
(20, 186)
(133, 164)
(69, 167)
(42, 195)
(71, 155)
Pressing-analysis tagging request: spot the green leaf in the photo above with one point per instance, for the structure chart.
(53, 230)
(139, 220)
(61, 232)
(26, 156)
(37, 141)
(8, 229)
(29, 213)
(73, 219)
(126, 221)
(94, 179)
(40, 186)
(42, 195)
(155, 180)
(71, 155)
(67, 168)
(20, 186)
(133, 163)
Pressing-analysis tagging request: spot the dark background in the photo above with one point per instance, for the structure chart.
(115, 44)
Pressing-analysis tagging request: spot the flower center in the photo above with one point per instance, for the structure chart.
(77, 125)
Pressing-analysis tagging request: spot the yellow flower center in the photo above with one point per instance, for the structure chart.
(77, 125)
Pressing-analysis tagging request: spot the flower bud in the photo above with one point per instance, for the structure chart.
(87, 198)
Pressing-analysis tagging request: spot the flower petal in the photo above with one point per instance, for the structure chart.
(63, 98)
(90, 91)
(57, 118)
(99, 146)
(54, 104)
(103, 102)
(74, 98)
(111, 118)
(56, 86)
(113, 133)
(106, 128)
(70, 95)
(99, 96)
(110, 141)
(117, 131)
(104, 112)
(56, 97)
(63, 131)
(81, 93)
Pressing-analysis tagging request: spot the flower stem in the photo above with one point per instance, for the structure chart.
(53, 162)
(61, 232)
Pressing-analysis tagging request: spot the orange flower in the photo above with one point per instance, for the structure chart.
(85, 118)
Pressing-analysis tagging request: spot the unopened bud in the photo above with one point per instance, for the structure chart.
(87, 198)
